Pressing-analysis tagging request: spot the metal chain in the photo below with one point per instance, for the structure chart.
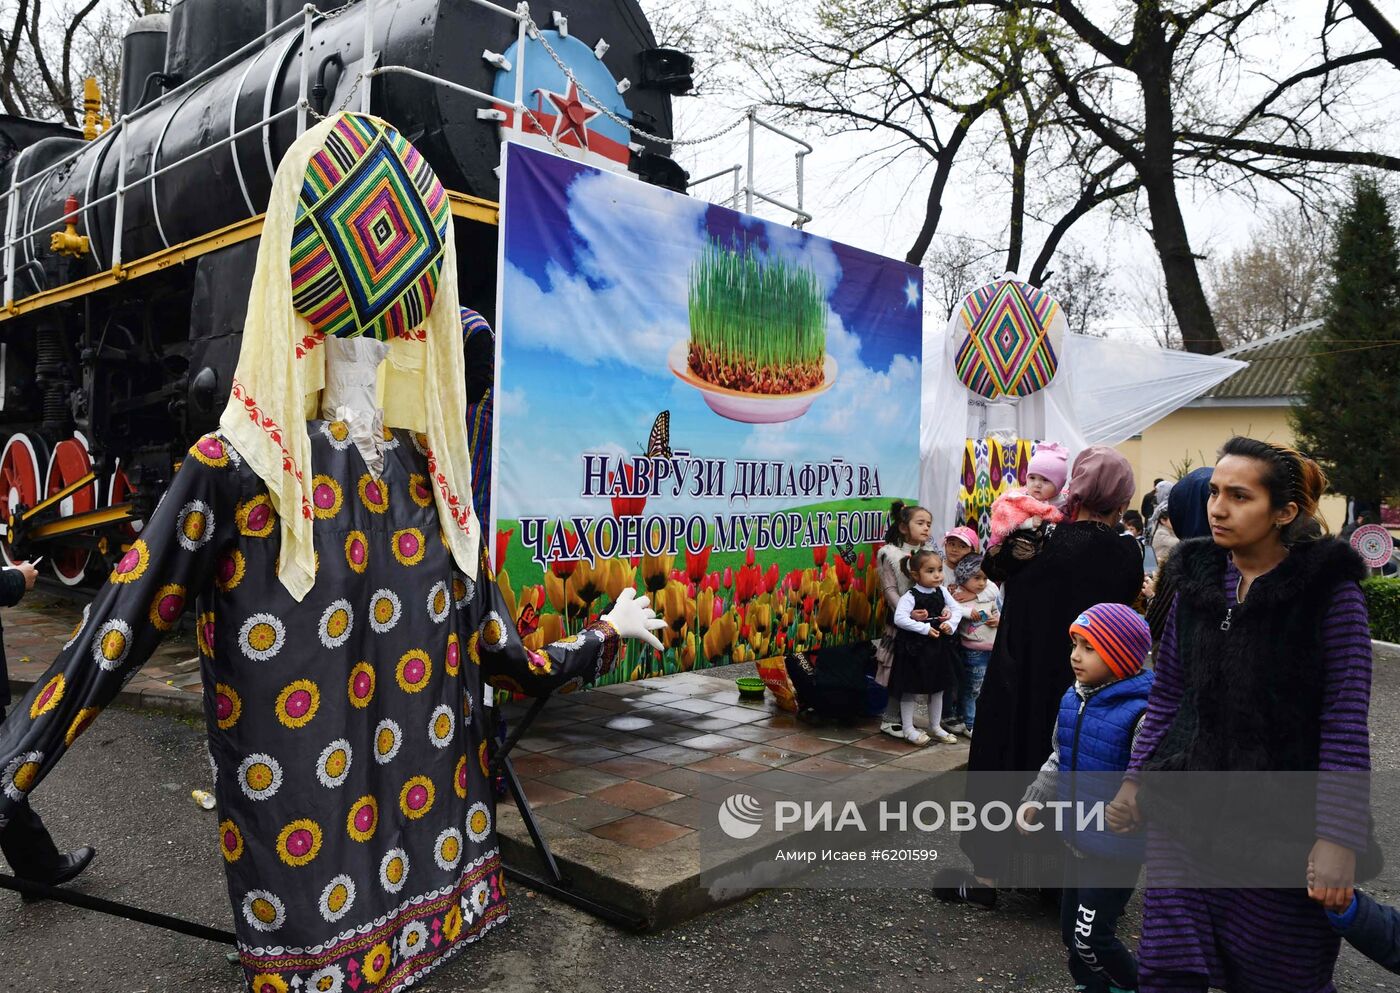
(538, 35)
(569, 74)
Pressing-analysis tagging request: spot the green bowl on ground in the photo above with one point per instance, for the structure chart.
(750, 686)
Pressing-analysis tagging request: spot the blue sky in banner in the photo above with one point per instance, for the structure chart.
(593, 297)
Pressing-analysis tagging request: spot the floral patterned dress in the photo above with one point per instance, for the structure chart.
(346, 732)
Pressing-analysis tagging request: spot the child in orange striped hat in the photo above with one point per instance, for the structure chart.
(1099, 718)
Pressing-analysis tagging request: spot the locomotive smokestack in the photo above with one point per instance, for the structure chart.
(143, 53)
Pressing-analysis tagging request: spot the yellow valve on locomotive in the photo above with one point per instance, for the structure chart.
(68, 241)
(92, 105)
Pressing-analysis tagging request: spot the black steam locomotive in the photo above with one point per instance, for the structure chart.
(123, 314)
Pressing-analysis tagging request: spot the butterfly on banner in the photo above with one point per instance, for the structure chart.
(847, 549)
(528, 622)
(659, 441)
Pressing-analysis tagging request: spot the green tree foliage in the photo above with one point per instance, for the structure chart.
(1351, 398)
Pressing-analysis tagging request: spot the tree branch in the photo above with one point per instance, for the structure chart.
(1336, 156)
(1087, 115)
(1381, 29)
(1318, 70)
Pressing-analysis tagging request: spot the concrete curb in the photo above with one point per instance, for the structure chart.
(162, 698)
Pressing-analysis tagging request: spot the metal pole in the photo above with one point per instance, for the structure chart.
(11, 209)
(523, 10)
(118, 222)
(748, 179)
(801, 156)
(734, 200)
(306, 13)
(368, 56)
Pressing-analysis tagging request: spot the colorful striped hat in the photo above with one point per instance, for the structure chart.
(1118, 633)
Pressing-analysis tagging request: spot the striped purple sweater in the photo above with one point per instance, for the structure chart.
(1260, 941)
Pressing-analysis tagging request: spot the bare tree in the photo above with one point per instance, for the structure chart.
(41, 77)
(1277, 281)
(50, 48)
(1159, 87)
(955, 265)
(1365, 12)
(1087, 289)
(1145, 293)
(876, 66)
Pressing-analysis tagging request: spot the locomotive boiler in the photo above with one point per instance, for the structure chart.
(129, 249)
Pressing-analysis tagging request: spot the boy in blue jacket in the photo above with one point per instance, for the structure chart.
(1372, 928)
(1093, 740)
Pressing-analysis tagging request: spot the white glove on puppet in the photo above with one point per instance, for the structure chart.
(632, 617)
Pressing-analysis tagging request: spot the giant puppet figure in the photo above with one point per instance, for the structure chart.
(347, 628)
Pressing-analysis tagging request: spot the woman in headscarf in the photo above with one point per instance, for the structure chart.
(1186, 515)
(1160, 533)
(1084, 561)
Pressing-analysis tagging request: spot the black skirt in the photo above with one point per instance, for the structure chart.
(923, 664)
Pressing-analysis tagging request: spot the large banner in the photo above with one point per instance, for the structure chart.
(707, 406)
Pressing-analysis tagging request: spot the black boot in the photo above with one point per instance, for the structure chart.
(69, 866)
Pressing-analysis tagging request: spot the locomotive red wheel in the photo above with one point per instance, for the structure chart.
(19, 483)
(70, 462)
(120, 490)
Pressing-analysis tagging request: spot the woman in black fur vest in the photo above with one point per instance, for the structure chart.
(1264, 668)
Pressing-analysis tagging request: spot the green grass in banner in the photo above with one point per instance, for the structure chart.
(757, 325)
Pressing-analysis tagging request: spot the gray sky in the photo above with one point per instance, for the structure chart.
(884, 214)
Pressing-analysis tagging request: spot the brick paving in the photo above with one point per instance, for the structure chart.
(628, 763)
(621, 748)
(36, 630)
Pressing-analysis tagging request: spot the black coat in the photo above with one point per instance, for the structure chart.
(11, 592)
(1081, 564)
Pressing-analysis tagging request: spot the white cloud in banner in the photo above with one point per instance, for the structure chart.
(512, 403)
(627, 302)
(876, 407)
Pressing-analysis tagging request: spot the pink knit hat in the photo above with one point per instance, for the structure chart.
(1050, 460)
(967, 536)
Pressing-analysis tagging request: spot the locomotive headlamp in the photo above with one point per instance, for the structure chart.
(203, 389)
(667, 69)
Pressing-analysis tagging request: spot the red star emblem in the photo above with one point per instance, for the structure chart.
(574, 114)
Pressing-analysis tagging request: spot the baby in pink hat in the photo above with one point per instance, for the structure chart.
(1032, 508)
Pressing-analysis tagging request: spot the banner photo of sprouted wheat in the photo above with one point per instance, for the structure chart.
(757, 325)
(706, 407)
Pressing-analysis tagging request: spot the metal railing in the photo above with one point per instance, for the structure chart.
(737, 170)
(745, 190)
(751, 193)
(117, 135)
(306, 17)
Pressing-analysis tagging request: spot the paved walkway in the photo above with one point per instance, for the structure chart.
(36, 630)
(622, 777)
